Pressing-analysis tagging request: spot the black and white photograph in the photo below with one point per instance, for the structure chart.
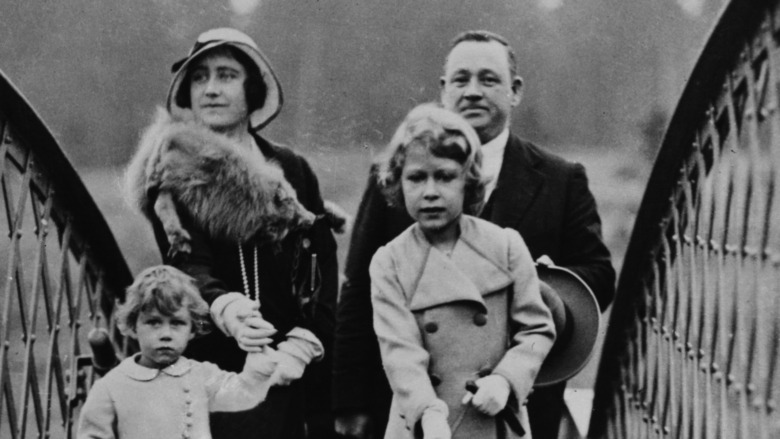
(437, 219)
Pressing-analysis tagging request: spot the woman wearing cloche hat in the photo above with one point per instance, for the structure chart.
(244, 217)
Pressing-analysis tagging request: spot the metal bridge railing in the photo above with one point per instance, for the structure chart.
(61, 273)
(693, 345)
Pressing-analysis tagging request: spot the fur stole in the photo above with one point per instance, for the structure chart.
(230, 192)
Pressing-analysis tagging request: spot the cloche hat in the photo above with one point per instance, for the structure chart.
(225, 36)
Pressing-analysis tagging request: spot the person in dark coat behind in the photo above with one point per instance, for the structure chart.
(544, 197)
(227, 85)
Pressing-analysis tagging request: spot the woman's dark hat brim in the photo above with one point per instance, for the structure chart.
(573, 344)
(213, 38)
(177, 65)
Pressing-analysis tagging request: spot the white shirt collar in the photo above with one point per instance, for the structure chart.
(492, 159)
(498, 143)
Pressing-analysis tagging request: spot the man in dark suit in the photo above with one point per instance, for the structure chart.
(544, 197)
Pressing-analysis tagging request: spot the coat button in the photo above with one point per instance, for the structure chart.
(435, 380)
(431, 327)
(480, 319)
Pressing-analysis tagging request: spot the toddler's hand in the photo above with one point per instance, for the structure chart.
(262, 363)
(288, 368)
(492, 395)
(259, 369)
(434, 425)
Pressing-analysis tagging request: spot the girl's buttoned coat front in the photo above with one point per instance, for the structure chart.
(443, 320)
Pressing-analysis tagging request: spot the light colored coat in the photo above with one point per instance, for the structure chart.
(442, 321)
(136, 402)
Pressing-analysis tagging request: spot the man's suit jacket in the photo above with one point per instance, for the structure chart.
(539, 194)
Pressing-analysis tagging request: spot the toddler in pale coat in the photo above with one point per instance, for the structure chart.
(157, 393)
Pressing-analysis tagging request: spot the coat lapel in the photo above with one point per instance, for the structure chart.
(519, 182)
(443, 282)
(467, 275)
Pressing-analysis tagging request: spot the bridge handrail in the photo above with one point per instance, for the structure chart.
(92, 226)
(63, 274)
(674, 298)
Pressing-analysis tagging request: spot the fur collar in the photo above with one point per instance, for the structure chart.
(230, 192)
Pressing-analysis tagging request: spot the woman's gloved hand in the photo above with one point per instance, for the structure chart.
(492, 395)
(255, 333)
(293, 355)
(434, 425)
(239, 317)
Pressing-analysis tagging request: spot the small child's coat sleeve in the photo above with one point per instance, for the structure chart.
(98, 418)
(230, 392)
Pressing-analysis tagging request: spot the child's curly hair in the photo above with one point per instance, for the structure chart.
(443, 134)
(165, 289)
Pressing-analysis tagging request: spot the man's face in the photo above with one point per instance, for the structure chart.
(217, 92)
(478, 85)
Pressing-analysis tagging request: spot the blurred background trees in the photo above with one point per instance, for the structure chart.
(601, 81)
(597, 72)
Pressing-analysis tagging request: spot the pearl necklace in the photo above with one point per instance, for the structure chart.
(254, 149)
(245, 278)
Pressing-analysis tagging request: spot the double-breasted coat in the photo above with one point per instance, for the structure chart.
(443, 320)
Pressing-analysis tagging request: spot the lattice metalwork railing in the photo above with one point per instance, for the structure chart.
(61, 271)
(694, 341)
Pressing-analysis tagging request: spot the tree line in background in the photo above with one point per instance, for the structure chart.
(597, 72)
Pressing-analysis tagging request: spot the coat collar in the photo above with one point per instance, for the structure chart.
(466, 275)
(269, 150)
(130, 367)
(519, 182)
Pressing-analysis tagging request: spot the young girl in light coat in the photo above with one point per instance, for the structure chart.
(157, 393)
(456, 299)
